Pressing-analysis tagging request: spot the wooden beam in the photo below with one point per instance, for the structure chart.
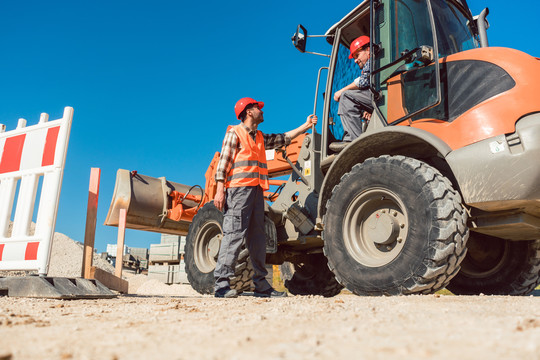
(109, 280)
(120, 243)
(91, 216)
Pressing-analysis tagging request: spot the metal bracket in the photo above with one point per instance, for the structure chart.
(165, 192)
(296, 171)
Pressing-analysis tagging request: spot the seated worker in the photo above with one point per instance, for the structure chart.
(355, 99)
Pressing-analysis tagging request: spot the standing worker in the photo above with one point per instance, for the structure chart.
(242, 178)
(355, 106)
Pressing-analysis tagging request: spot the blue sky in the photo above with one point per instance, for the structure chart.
(153, 84)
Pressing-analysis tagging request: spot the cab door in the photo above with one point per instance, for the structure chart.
(406, 71)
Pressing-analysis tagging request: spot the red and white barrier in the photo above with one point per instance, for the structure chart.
(26, 154)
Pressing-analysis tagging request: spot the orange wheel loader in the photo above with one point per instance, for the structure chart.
(442, 189)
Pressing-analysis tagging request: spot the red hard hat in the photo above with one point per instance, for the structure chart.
(358, 43)
(242, 103)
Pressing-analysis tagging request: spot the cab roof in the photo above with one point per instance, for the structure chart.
(365, 5)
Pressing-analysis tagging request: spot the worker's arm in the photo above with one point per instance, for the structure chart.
(311, 120)
(351, 86)
(360, 83)
(228, 151)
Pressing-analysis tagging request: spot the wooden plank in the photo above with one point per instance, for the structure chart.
(91, 216)
(120, 242)
(109, 280)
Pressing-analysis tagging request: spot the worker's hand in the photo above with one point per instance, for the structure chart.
(311, 120)
(219, 199)
(337, 94)
(366, 115)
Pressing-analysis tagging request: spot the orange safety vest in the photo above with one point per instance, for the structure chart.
(249, 166)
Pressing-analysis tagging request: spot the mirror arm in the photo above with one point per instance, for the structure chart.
(313, 53)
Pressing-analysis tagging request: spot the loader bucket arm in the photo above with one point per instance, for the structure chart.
(147, 202)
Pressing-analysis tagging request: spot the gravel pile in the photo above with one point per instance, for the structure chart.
(66, 261)
(67, 255)
(66, 258)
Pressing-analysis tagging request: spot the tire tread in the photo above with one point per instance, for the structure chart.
(447, 244)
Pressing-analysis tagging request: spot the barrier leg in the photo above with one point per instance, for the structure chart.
(91, 216)
(114, 282)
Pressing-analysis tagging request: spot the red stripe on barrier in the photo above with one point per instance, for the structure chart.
(1, 250)
(50, 146)
(11, 157)
(31, 251)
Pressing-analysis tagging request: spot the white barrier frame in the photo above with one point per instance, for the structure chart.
(22, 251)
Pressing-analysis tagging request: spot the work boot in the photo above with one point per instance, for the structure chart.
(270, 293)
(226, 293)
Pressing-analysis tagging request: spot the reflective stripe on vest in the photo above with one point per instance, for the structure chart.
(249, 167)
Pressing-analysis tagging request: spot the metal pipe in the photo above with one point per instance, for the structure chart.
(314, 53)
(482, 27)
(313, 130)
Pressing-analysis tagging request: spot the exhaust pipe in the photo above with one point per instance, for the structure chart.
(147, 202)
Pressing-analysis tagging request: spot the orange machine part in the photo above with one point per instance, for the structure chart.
(493, 116)
(279, 166)
(178, 211)
(210, 186)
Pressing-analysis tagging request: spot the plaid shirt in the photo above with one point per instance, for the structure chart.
(231, 146)
(363, 80)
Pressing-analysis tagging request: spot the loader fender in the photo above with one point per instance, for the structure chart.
(392, 140)
(501, 172)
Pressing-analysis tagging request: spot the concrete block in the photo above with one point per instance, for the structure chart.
(168, 274)
(111, 250)
(139, 253)
(164, 253)
(159, 272)
(174, 239)
(182, 276)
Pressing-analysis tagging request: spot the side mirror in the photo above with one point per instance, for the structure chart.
(299, 39)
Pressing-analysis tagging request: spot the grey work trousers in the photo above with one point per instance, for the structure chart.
(243, 218)
(352, 105)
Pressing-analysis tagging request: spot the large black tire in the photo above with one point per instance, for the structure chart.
(310, 277)
(202, 249)
(495, 266)
(394, 225)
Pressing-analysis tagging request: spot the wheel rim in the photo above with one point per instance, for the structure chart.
(375, 227)
(207, 245)
(486, 256)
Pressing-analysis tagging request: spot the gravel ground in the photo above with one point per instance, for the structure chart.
(157, 321)
(203, 327)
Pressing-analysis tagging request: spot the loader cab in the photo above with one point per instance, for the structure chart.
(408, 39)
